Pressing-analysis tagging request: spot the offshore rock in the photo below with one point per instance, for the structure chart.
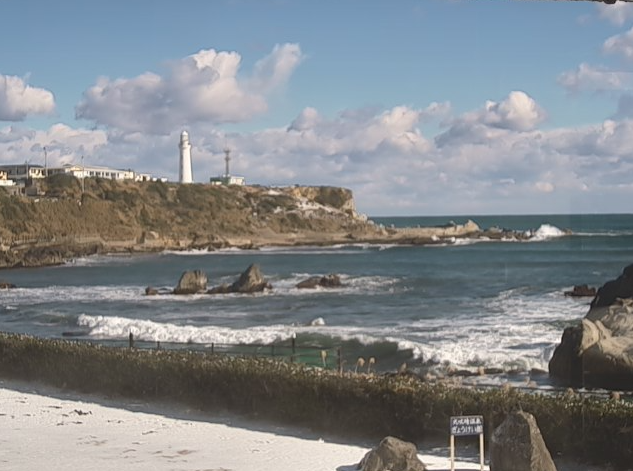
(517, 445)
(327, 281)
(6, 285)
(192, 282)
(599, 351)
(251, 281)
(581, 291)
(392, 454)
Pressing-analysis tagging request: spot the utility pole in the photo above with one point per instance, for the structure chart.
(83, 176)
(45, 163)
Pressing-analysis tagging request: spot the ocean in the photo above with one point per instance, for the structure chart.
(462, 305)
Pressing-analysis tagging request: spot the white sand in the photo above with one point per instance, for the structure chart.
(42, 428)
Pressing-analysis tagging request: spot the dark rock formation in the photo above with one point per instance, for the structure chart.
(149, 291)
(392, 454)
(6, 285)
(622, 287)
(192, 282)
(599, 351)
(517, 445)
(222, 289)
(327, 281)
(251, 281)
(565, 364)
(581, 291)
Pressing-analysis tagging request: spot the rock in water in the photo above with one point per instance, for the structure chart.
(327, 281)
(599, 351)
(192, 282)
(251, 281)
(517, 445)
(581, 291)
(392, 454)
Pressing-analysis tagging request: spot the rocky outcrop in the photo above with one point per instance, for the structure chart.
(192, 282)
(327, 281)
(6, 285)
(581, 291)
(251, 281)
(599, 351)
(622, 287)
(392, 454)
(517, 445)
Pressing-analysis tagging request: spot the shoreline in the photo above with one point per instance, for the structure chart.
(67, 430)
(42, 253)
(54, 429)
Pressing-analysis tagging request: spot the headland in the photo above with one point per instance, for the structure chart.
(68, 220)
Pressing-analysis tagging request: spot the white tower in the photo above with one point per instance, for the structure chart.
(186, 175)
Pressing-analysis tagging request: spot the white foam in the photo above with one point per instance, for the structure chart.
(106, 327)
(545, 232)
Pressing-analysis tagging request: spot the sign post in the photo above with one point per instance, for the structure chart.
(467, 425)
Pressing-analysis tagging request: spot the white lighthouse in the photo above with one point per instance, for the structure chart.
(186, 175)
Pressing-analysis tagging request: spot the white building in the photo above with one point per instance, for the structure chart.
(25, 172)
(185, 174)
(227, 178)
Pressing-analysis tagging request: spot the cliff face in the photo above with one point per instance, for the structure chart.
(111, 216)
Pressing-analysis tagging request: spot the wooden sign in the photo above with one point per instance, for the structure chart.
(464, 426)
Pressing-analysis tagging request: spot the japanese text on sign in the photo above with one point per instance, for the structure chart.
(465, 425)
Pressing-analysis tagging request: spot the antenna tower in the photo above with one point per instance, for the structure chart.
(227, 159)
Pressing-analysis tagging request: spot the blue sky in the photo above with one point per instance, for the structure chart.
(421, 107)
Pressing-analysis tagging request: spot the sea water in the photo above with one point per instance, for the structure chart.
(463, 305)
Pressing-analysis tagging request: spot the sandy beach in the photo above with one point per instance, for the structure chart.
(47, 429)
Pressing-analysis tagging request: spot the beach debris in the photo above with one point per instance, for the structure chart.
(392, 454)
(517, 445)
(327, 281)
(191, 282)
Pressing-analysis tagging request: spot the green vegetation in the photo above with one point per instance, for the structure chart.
(363, 405)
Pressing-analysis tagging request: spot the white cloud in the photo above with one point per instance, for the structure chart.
(544, 187)
(474, 167)
(202, 88)
(619, 13)
(19, 100)
(621, 44)
(588, 78)
(63, 143)
(518, 112)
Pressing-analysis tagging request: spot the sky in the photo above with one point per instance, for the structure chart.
(420, 107)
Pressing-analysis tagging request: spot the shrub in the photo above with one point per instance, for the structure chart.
(363, 405)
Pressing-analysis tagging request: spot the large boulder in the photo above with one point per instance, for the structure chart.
(251, 281)
(517, 445)
(327, 281)
(191, 282)
(392, 454)
(598, 352)
(622, 287)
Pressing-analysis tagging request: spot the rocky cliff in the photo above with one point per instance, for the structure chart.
(110, 216)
